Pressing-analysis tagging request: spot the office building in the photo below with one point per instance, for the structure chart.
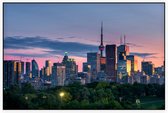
(111, 62)
(147, 68)
(35, 69)
(134, 63)
(123, 69)
(27, 68)
(144, 79)
(87, 70)
(58, 74)
(122, 52)
(93, 59)
(22, 66)
(12, 72)
(48, 68)
(71, 67)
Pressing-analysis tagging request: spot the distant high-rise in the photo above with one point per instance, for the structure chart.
(58, 74)
(93, 59)
(147, 67)
(123, 70)
(86, 67)
(27, 68)
(123, 64)
(35, 69)
(19, 68)
(134, 62)
(65, 59)
(47, 63)
(122, 52)
(111, 60)
(22, 66)
(12, 72)
(70, 64)
(48, 67)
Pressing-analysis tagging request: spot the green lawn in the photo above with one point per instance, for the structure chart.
(152, 103)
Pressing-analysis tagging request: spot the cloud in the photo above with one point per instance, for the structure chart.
(27, 55)
(142, 55)
(71, 53)
(135, 45)
(71, 37)
(55, 46)
(60, 38)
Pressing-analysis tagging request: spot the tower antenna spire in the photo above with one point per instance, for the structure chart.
(102, 33)
(121, 40)
(101, 47)
(124, 39)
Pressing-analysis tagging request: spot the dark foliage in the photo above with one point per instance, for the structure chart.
(98, 95)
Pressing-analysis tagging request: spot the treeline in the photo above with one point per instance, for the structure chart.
(98, 95)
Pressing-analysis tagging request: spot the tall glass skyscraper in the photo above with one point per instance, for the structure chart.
(134, 63)
(35, 69)
(58, 74)
(93, 59)
(12, 72)
(111, 62)
(147, 67)
(27, 68)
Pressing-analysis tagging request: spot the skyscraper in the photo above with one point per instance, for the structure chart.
(27, 68)
(8, 73)
(22, 66)
(58, 74)
(111, 60)
(48, 67)
(19, 68)
(93, 59)
(134, 63)
(122, 52)
(147, 67)
(35, 69)
(47, 63)
(71, 67)
(12, 72)
(65, 59)
(123, 64)
(123, 70)
(87, 69)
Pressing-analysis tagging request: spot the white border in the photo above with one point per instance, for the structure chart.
(77, 111)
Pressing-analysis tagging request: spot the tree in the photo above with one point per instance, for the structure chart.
(28, 88)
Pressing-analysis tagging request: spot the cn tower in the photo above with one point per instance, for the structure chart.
(101, 47)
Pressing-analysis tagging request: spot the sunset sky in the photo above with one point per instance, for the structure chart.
(46, 31)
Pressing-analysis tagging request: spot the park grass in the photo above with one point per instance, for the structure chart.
(152, 103)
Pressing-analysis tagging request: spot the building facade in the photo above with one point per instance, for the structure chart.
(35, 69)
(147, 67)
(111, 62)
(134, 63)
(12, 72)
(93, 59)
(58, 74)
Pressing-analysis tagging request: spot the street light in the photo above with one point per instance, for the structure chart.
(44, 97)
(61, 95)
(26, 98)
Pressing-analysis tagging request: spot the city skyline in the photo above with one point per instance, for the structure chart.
(47, 28)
